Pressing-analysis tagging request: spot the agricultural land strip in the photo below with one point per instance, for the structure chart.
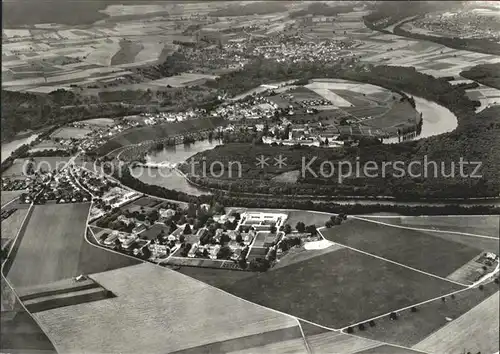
(161, 301)
(435, 255)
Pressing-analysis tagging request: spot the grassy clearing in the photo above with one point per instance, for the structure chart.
(409, 247)
(154, 300)
(488, 225)
(340, 288)
(412, 327)
(476, 331)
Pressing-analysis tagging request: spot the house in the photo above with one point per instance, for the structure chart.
(491, 256)
(125, 220)
(166, 213)
(110, 240)
(129, 241)
(192, 251)
(236, 254)
(233, 245)
(139, 228)
(213, 250)
(205, 207)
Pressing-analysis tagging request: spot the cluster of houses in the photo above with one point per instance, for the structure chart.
(63, 189)
(168, 117)
(253, 231)
(463, 24)
(308, 136)
(13, 184)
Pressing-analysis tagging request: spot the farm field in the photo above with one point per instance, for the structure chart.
(435, 255)
(99, 122)
(69, 132)
(185, 79)
(341, 283)
(215, 277)
(388, 349)
(21, 334)
(393, 117)
(489, 243)
(478, 225)
(53, 244)
(127, 53)
(413, 327)
(137, 135)
(47, 145)
(7, 196)
(476, 330)
(149, 299)
(12, 224)
(297, 255)
(55, 233)
(287, 177)
(288, 340)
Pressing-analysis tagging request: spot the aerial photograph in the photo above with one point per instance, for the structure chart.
(247, 177)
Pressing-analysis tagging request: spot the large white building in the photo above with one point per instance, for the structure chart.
(262, 221)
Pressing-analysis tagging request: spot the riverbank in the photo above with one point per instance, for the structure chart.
(9, 147)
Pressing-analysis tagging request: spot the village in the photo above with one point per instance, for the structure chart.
(204, 236)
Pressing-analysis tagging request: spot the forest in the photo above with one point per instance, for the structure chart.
(487, 74)
(279, 203)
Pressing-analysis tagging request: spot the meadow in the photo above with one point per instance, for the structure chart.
(412, 248)
(413, 327)
(483, 225)
(340, 288)
(475, 225)
(476, 330)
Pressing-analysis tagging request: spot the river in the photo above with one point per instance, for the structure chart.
(436, 119)
(167, 177)
(13, 145)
